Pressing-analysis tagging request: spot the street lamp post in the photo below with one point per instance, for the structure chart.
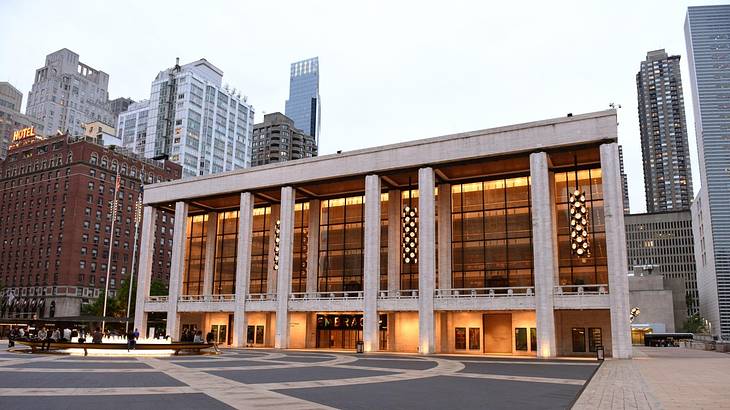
(137, 218)
(114, 205)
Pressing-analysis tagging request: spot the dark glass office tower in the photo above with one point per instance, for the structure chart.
(304, 105)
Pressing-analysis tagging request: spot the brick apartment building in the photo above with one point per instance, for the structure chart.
(55, 222)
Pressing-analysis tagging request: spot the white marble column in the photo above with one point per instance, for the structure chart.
(210, 253)
(426, 259)
(618, 280)
(371, 278)
(243, 268)
(313, 246)
(177, 268)
(544, 249)
(144, 272)
(394, 250)
(444, 236)
(286, 259)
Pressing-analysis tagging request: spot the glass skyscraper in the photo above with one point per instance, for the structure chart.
(304, 105)
(707, 34)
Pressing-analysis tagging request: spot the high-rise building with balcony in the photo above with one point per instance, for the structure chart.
(304, 105)
(664, 146)
(707, 34)
(193, 119)
(67, 93)
(278, 140)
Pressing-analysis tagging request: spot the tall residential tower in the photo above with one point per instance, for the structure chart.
(304, 105)
(192, 118)
(707, 33)
(664, 146)
(67, 93)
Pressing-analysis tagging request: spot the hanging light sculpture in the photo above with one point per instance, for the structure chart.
(409, 221)
(277, 240)
(579, 236)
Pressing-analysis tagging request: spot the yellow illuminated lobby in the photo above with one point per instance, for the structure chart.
(505, 241)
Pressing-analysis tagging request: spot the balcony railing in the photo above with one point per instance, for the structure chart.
(157, 299)
(398, 294)
(253, 297)
(485, 292)
(600, 289)
(339, 295)
(206, 298)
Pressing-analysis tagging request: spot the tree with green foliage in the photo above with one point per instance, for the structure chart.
(695, 324)
(116, 306)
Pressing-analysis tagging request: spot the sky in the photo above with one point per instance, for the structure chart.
(389, 71)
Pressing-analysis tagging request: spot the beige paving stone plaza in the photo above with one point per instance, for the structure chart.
(661, 378)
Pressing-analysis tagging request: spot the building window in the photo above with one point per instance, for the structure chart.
(492, 234)
(460, 338)
(579, 339)
(574, 269)
(224, 270)
(195, 255)
(260, 249)
(595, 338)
(301, 246)
(521, 339)
(341, 244)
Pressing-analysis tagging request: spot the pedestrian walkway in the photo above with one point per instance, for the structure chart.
(660, 378)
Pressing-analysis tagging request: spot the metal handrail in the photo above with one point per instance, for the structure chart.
(520, 291)
(344, 295)
(398, 294)
(207, 298)
(260, 296)
(588, 289)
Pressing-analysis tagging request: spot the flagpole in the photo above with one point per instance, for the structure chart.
(137, 217)
(111, 245)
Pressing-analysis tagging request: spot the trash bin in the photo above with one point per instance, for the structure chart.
(360, 346)
(599, 353)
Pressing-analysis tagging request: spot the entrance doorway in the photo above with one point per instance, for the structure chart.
(343, 331)
(497, 333)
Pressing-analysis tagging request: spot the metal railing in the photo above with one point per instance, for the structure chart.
(157, 299)
(599, 289)
(339, 295)
(253, 297)
(519, 291)
(206, 298)
(398, 294)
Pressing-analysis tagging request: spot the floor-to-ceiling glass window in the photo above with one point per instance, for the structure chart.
(384, 241)
(588, 268)
(260, 249)
(224, 268)
(301, 238)
(492, 234)
(341, 244)
(409, 263)
(197, 230)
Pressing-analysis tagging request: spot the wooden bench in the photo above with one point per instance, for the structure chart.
(35, 346)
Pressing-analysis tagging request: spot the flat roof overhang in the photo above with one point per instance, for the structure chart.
(453, 157)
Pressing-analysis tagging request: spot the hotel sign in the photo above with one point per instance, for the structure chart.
(23, 136)
(24, 133)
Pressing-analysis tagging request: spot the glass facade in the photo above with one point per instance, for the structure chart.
(301, 238)
(261, 228)
(224, 266)
(341, 234)
(303, 105)
(384, 241)
(575, 270)
(492, 234)
(197, 230)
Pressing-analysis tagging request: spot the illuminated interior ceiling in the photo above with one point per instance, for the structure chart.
(457, 172)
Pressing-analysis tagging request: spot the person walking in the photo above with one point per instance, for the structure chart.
(131, 343)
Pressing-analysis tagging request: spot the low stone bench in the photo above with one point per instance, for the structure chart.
(35, 346)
